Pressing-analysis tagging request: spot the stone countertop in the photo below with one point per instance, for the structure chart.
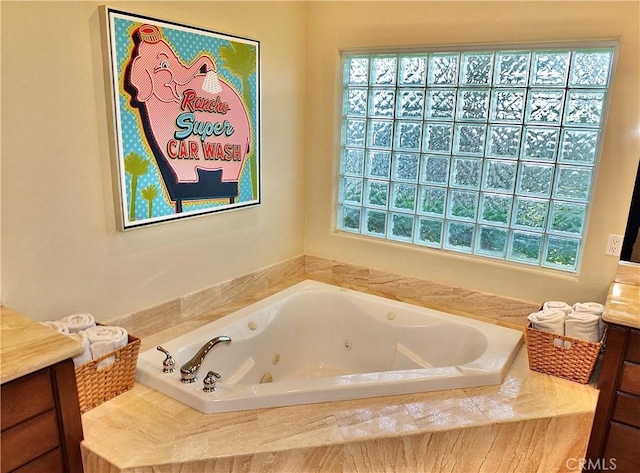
(623, 305)
(27, 346)
(628, 273)
(144, 430)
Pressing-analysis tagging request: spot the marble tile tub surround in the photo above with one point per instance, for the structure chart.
(532, 422)
(456, 300)
(518, 426)
(219, 298)
(210, 300)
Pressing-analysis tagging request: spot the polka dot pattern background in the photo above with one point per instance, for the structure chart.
(188, 44)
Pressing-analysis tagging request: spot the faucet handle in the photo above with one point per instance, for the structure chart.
(209, 381)
(168, 365)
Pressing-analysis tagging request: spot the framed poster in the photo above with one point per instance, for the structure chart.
(186, 103)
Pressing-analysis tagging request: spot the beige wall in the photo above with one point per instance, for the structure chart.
(344, 25)
(61, 252)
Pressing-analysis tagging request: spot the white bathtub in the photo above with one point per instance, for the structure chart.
(318, 343)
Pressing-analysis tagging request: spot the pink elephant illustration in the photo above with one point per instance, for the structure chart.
(195, 123)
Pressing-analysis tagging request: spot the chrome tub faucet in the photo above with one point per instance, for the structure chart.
(190, 369)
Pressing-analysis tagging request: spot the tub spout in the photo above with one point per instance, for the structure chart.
(190, 369)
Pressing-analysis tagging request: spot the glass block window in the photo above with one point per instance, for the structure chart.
(490, 153)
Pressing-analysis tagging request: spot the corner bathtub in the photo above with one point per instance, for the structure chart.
(314, 342)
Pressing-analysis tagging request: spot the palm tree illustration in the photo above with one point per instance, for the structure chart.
(149, 193)
(137, 166)
(240, 60)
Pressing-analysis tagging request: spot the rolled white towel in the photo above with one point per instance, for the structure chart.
(591, 307)
(559, 305)
(78, 322)
(86, 355)
(57, 326)
(104, 339)
(584, 326)
(549, 320)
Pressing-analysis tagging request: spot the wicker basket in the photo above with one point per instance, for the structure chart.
(575, 362)
(97, 384)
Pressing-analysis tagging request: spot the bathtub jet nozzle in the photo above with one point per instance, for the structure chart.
(190, 369)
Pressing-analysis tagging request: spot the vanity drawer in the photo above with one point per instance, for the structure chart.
(29, 440)
(627, 409)
(622, 446)
(51, 462)
(633, 347)
(25, 398)
(630, 380)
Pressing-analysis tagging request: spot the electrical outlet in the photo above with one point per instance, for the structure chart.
(614, 245)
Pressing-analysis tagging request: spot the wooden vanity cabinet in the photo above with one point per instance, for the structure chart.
(40, 421)
(615, 434)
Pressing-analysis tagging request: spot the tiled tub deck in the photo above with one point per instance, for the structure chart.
(530, 423)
